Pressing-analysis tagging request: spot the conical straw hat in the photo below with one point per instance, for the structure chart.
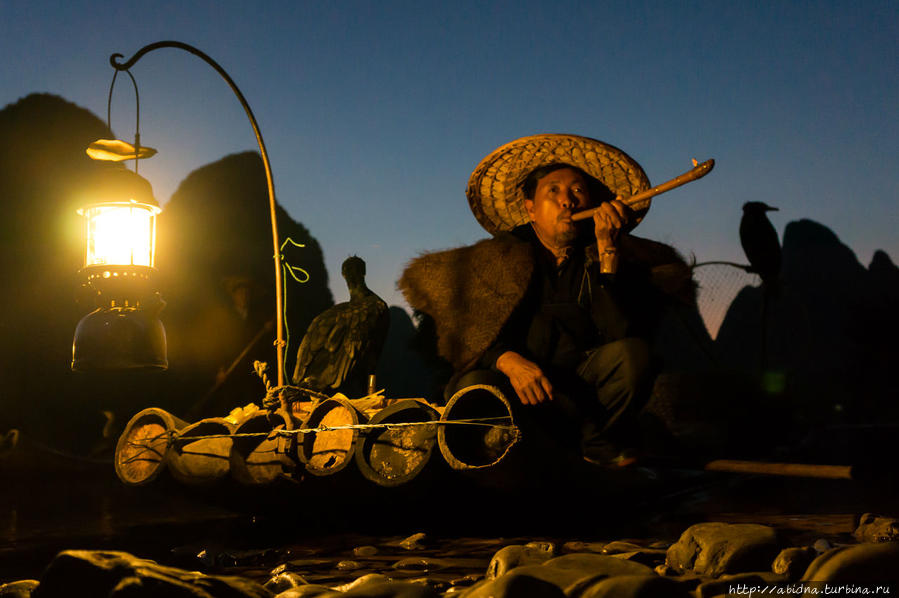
(494, 189)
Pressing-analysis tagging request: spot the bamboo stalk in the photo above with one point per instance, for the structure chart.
(799, 470)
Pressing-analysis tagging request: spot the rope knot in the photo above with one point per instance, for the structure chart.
(276, 396)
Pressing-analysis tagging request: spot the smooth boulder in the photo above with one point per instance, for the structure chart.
(876, 528)
(862, 563)
(714, 549)
(119, 575)
(515, 555)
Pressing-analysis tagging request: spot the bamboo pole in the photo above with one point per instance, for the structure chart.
(799, 470)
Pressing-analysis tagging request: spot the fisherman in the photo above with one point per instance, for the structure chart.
(559, 313)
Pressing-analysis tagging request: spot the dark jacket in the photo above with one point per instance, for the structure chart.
(471, 292)
(570, 308)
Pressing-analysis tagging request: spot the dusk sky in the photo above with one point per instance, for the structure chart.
(375, 113)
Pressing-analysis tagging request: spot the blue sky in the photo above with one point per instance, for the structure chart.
(375, 113)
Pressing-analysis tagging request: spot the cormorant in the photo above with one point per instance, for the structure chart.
(760, 242)
(343, 343)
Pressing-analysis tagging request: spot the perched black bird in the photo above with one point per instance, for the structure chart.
(760, 242)
(343, 343)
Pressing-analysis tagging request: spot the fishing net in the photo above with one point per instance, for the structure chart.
(719, 283)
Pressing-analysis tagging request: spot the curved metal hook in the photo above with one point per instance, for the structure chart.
(120, 66)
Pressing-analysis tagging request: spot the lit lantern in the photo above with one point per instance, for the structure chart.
(124, 331)
(121, 234)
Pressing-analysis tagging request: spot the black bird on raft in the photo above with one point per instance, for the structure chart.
(760, 243)
(343, 343)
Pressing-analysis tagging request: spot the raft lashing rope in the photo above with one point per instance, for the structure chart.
(172, 436)
(390, 442)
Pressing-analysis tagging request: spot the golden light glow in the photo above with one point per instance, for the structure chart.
(120, 234)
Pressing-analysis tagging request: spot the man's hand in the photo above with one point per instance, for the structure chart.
(608, 221)
(526, 377)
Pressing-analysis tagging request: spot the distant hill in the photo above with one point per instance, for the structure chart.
(42, 170)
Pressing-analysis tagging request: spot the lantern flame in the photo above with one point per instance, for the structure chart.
(121, 234)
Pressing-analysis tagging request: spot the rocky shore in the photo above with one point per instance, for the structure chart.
(708, 559)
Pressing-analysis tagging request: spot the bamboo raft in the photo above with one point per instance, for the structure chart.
(388, 442)
(374, 440)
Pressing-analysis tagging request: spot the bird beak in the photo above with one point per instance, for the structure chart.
(771, 209)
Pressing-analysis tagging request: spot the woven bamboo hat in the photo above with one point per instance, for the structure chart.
(494, 189)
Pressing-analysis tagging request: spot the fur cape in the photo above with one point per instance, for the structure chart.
(470, 292)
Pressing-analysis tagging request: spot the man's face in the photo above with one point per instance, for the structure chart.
(558, 194)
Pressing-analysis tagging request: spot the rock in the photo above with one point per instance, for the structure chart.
(597, 564)
(414, 542)
(618, 546)
(509, 557)
(284, 581)
(364, 551)
(370, 578)
(299, 565)
(665, 571)
(716, 548)
(419, 564)
(120, 575)
(792, 562)
(584, 546)
(152, 585)
(308, 591)
(391, 589)
(862, 563)
(560, 578)
(514, 584)
(727, 584)
(465, 581)
(650, 559)
(876, 528)
(546, 547)
(822, 545)
(634, 552)
(18, 589)
(569, 574)
(636, 586)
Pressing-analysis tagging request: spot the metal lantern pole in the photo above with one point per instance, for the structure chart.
(276, 243)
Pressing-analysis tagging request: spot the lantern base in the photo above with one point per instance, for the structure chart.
(114, 338)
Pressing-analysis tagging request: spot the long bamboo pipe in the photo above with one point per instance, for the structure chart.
(697, 172)
(798, 470)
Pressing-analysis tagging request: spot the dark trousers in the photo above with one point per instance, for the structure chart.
(594, 405)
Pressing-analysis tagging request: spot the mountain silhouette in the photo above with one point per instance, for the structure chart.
(43, 172)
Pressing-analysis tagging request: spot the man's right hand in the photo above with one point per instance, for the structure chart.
(526, 377)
